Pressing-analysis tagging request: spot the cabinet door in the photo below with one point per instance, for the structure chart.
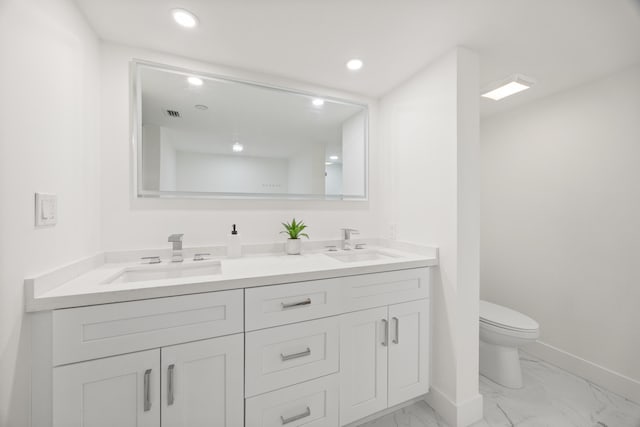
(363, 363)
(118, 391)
(203, 383)
(408, 350)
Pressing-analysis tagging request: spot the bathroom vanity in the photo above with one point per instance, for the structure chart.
(314, 340)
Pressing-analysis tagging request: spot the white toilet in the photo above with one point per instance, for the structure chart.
(502, 331)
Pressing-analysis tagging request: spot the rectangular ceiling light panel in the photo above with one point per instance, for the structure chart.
(514, 84)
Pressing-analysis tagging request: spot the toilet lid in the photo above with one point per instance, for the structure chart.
(505, 317)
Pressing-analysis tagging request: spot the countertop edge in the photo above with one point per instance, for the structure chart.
(33, 305)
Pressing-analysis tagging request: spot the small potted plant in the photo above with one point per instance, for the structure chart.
(294, 230)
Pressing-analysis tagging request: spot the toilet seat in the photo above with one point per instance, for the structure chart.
(497, 316)
(497, 334)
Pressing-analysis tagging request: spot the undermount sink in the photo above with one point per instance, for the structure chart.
(165, 271)
(357, 255)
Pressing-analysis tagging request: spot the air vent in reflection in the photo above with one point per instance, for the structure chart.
(173, 113)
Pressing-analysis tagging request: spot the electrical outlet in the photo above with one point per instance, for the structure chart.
(46, 209)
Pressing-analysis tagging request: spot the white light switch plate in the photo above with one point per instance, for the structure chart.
(46, 209)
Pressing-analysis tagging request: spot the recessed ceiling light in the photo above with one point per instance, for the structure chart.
(201, 107)
(512, 85)
(328, 163)
(184, 18)
(237, 147)
(354, 64)
(195, 81)
(318, 102)
(333, 157)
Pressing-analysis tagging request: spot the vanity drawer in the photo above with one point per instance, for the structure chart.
(312, 404)
(103, 330)
(293, 302)
(286, 355)
(380, 289)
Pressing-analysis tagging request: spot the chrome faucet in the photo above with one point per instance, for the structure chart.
(176, 254)
(346, 237)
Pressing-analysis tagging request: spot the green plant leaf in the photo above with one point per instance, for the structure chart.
(294, 229)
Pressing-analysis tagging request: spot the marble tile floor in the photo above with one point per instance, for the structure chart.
(551, 397)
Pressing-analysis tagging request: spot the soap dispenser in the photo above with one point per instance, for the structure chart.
(234, 249)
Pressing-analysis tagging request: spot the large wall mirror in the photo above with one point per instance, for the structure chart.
(199, 135)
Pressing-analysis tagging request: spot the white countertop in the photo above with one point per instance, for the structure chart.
(81, 285)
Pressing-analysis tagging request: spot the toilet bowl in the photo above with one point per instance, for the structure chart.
(502, 331)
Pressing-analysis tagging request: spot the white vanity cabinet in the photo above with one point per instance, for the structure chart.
(363, 364)
(409, 351)
(318, 353)
(176, 361)
(188, 385)
(309, 404)
(381, 322)
(115, 391)
(384, 356)
(202, 383)
(290, 354)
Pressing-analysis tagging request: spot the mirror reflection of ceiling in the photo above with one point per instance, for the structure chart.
(267, 122)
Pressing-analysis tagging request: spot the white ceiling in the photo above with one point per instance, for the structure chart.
(561, 43)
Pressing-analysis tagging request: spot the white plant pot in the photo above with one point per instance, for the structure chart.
(294, 246)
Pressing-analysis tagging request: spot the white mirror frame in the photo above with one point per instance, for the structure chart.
(135, 93)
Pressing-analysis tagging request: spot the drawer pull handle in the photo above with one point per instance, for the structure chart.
(305, 353)
(396, 340)
(170, 397)
(296, 304)
(385, 342)
(305, 414)
(147, 390)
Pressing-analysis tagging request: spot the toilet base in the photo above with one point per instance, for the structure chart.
(501, 364)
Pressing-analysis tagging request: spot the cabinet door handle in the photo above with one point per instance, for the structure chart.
(305, 353)
(147, 390)
(305, 414)
(385, 342)
(396, 340)
(170, 384)
(296, 304)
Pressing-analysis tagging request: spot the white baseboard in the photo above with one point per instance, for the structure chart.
(610, 380)
(456, 415)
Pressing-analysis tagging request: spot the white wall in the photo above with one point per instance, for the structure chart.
(333, 179)
(143, 223)
(152, 145)
(168, 174)
(231, 174)
(49, 142)
(561, 219)
(353, 151)
(181, 166)
(430, 126)
(306, 170)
